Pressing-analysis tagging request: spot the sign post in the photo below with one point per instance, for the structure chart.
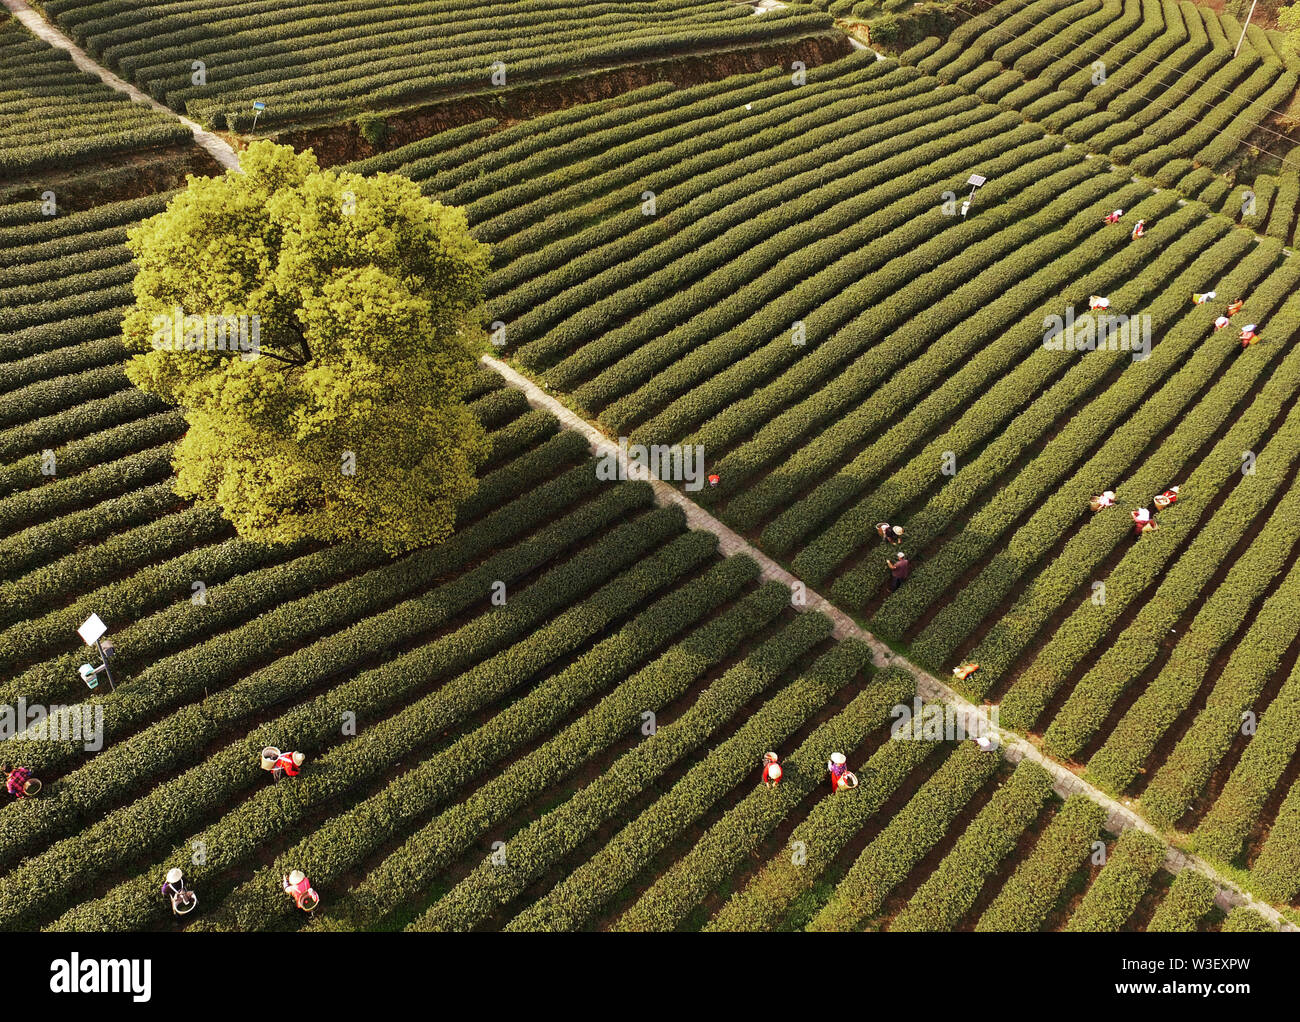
(974, 181)
(258, 107)
(92, 632)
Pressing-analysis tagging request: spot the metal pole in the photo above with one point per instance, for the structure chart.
(107, 672)
(1245, 26)
(258, 113)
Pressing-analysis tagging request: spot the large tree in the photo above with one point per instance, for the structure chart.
(334, 408)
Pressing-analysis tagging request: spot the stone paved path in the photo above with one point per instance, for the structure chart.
(974, 718)
(219, 149)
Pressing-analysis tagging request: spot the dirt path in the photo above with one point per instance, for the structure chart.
(974, 718)
(38, 26)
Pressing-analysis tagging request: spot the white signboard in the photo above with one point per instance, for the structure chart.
(92, 629)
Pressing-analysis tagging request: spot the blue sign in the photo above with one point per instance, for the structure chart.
(258, 105)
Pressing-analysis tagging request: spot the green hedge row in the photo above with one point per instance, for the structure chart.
(1277, 866)
(622, 358)
(1125, 659)
(948, 893)
(766, 900)
(913, 831)
(557, 309)
(727, 766)
(1115, 894)
(617, 716)
(390, 592)
(104, 480)
(1068, 502)
(1025, 901)
(948, 393)
(1133, 739)
(846, 308)
(1246, 920)
(423, 715)
(1217, 726)
(1184, 905)
(721, 851)
(545, 841)
(145, 826)
(685, 361)
(1006, 274)
(1030, 383)
(1083, 630)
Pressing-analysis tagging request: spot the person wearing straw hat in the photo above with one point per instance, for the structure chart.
(1201, 299)
(1096, 302)
(1167, 499)
(1249, 335)
(1113, 216)
(1139, 230)
(299, 888)
(837, 767)
(289, 763)
(1142, 521)
(771, 769)
(892, 534)
(173, 889)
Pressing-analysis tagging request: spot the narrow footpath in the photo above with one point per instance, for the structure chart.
(217, 147)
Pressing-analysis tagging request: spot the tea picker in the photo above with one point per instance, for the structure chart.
(19, 781)
(892, 534)
(299, 888)
(841, 779)
(173, 889)
(771, 769)
(281, 763)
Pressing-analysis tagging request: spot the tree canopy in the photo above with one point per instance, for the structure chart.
(319, 329)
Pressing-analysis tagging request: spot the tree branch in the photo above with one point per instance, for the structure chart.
(302, 338)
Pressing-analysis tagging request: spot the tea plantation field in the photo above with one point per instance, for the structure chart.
(776, 267)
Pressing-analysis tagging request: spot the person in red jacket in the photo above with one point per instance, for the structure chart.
(1113, 218)
(771, 769)
(1142, 521)
(289, 763)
